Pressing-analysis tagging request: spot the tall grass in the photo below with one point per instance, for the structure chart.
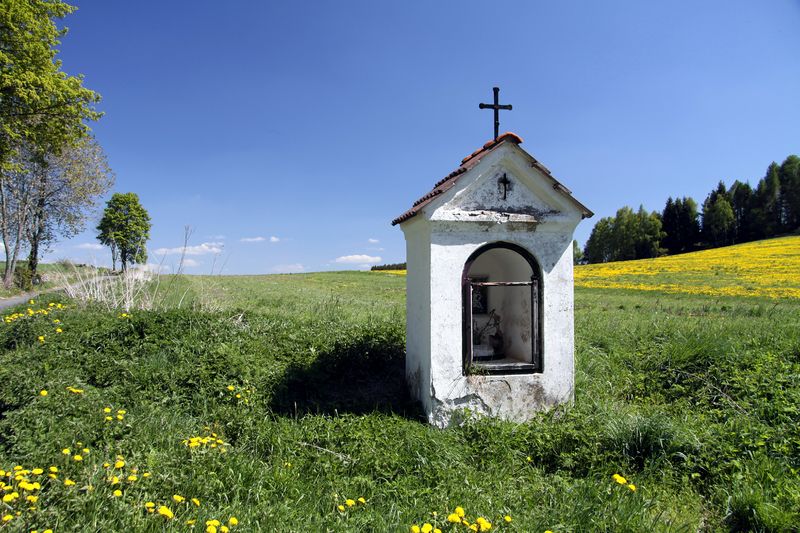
(693, 400)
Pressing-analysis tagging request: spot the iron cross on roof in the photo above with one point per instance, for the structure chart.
(497, 107)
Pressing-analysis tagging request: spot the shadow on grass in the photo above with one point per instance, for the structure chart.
(364, 376)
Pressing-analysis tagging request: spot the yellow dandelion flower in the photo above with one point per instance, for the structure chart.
(10, 497)
(31, 302)
(165, 512)
(77, 458)
(73, 390)
(119, 463)
(415, 529)
(426, 528)
(348, 502)
(150, 505)
(191, 522)
(43, 392)
(632, 487)
(53, 469)
(178, 498)
(340, 507)
(146, 474)
(196, 502)
(460, 512)
(362, 500)
(233, 521)
(68, 483)
(85, 450)
(114, 480)
(106, 409)
(122, 412)
(117, 493)
(7, 518)
(619, 479)
(453, 518)
(211, 529)
(109, 419)
(133, 477)
(214, 522)
(437, 530)
(59, 330)
(473, 527)
(120, 417)
(507, 518)
(223, 529)
(230, 387)
(37, 471)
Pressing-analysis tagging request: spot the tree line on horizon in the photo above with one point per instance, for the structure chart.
(729, 215)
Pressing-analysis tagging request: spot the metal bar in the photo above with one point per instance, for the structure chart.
(496, 112)
(467, 327)
(536, 337)
(501, 283)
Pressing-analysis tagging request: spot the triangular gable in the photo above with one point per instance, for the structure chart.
(470, 162)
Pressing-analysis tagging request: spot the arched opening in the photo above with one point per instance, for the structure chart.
(501, 287)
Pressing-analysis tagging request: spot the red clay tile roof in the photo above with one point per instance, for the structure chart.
(469, 162)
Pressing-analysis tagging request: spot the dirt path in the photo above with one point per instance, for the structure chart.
(5, 303)
(11, 301)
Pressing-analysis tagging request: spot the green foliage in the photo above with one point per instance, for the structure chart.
(627, 236)
(41, 104)
(125, 227)
(680, 225)
(718, 220)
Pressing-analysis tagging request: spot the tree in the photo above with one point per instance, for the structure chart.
(125, 228)
(741, 195)
(41, 107)
(66, 188)
(671, 224)
(767, 216)
(789, 178)
(577, 254)
(718, 221)
(627, 235)
(598, 247)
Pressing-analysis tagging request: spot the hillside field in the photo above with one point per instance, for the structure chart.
(277, 403)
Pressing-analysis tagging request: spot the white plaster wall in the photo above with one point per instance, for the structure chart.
(514, 397)
(418, 310)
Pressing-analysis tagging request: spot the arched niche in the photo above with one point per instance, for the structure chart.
(501, 304)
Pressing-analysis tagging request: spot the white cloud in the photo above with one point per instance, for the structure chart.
(188, 262)
(274, 239)
(252, 239)
(289, 269)
(362, 260)
(373, 241)
(200, 249)
(90, 246)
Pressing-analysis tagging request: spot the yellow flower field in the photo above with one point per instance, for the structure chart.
(769, 268)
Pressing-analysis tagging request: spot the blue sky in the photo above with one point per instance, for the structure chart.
(289, 134)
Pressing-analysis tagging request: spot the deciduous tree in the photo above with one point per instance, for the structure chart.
(125, 228)
(41, 107)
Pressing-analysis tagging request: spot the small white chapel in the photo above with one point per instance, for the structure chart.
(490, 287)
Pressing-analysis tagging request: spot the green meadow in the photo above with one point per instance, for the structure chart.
(276, 399)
